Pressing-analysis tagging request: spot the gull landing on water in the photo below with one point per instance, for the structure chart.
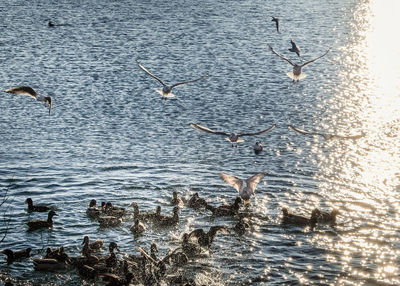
(325, 135)
(232, 137)
(297, 75)
(166, 92)
(26, 90)
(245, 192)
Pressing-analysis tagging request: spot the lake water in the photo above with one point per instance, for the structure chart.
(111, 137)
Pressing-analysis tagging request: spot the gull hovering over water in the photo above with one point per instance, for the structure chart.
(276, 20)
(297, 75)
(232, 137)
(245, 192)
(26, 90)
(166, 91)
(325, 135)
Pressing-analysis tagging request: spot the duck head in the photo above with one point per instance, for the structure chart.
(92, 203)
(29, 201)
(113, 245)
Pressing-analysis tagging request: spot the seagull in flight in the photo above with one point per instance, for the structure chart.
(325, 135)
(297, 75)
(26, 90)
(166, 91)
(295, 48)
(232, 137)
(276, 20)
(244, 192)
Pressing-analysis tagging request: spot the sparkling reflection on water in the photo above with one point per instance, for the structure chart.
(120, 144)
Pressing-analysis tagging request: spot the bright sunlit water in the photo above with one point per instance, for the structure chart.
(111, 137)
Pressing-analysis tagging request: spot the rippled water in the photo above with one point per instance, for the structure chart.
(111, 137)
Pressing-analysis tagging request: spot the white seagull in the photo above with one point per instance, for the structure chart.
(245, 192)
(166, 91)
(26, 90)
(296, 75)
(326, 136)
(232, 137)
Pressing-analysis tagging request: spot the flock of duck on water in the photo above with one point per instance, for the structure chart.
(148, 268)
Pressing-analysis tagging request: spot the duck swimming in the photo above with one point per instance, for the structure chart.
(247, 192)
(241, 226)
(326, 217)
(49, 264)
(112, 210)
(226, 210)
(36, 208)
(176, 200)
(189, 248)
(205, 239)
(299, 220)
(325, 135)
(16, 255)
(109, 221)
(88, 247)
(143, 215)
(168, 220)
(38, 224)
(232, 137)
(258, 148)
(196, 202)
(297, 75)
(26, 90)
(93, 211)
(137, 228)
(166, 92)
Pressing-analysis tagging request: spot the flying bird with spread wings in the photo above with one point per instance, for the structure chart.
(326, 136)
(245, 192)
(295, 48)
(276, 20)
(26, 90)
(166, 91)
(297, 75)
(232, 137)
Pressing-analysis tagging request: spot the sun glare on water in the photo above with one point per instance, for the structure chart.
(363, 175)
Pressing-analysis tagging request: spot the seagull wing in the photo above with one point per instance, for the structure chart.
(253, 181)
(26, 90)
(205, 129)
(233, 181)
(326, 136)
(276, 20)
(259, 132)
(185, 82)
(282, 57)
(149, 73)
(309, 62)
